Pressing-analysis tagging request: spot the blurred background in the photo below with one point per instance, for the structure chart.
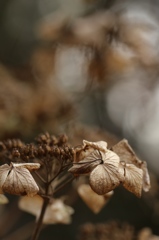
(87, 68)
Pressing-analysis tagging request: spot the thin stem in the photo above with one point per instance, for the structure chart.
(40, 219)
(39, 222)
(64, 184)
(40, 177)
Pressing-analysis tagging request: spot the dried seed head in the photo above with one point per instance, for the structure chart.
(16, 179)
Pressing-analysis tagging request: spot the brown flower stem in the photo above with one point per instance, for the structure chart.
(38, 226)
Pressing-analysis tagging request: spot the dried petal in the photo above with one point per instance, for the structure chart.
(132, 178)
(110, 159)
(87, 148)
(126, 154)
(104, 179)
(31, 205)
(4, 170)
(146, 178)
(3, 199)
(94, 201)
(17, 180)
(87, 165)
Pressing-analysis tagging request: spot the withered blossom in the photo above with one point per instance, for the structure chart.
(107, 168)
(94, 201)
(100, 163)
(56, 211)
(16, 179)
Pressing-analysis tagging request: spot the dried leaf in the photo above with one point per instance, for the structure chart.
(3, 199)
(56, 211)
(94, 201)
(132, 180)
(16, 179)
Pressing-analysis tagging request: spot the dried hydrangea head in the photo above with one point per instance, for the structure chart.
(17, 179)
(107, 169)
(56, 211)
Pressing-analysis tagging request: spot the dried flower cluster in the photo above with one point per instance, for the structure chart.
(109, 168)
(40, 169)
(51, 153)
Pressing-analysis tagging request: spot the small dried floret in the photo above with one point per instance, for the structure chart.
(16, 179)
(102, 165)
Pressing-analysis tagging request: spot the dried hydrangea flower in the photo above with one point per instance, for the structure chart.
(56, 211)
(100, 163)
(107, 169)
(16, 179)
(94, 201)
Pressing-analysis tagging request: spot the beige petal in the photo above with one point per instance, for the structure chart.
(29, 166)
(126, 154)
(111, 159)
(31, 204)
(104, 179)
(3, 199)
(132, 178)
(146, 178)
(20, 181)
(94, 201)
(4, 170)
(58, 212)
(88, 164)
